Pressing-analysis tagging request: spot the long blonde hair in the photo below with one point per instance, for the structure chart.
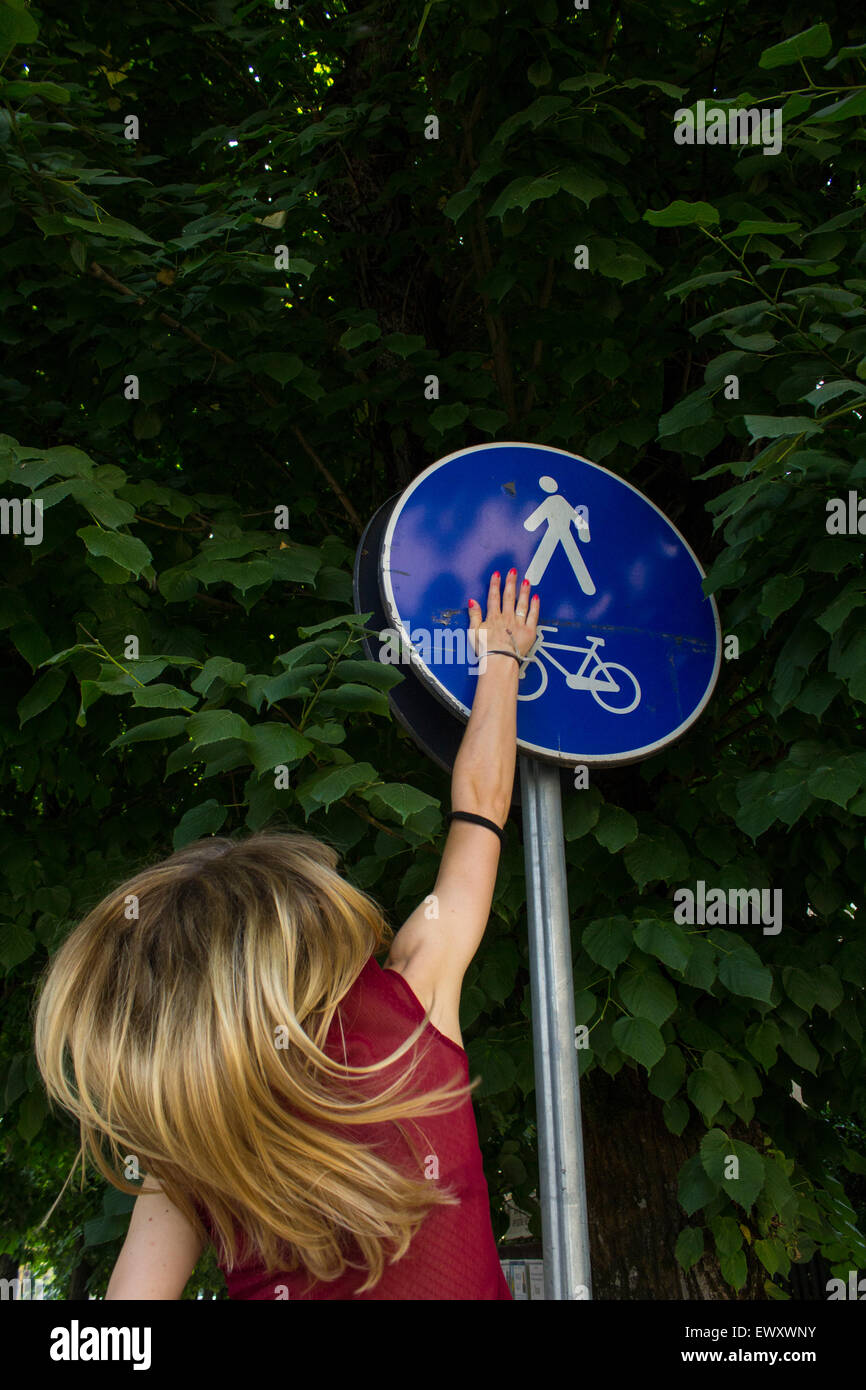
(156, 1026)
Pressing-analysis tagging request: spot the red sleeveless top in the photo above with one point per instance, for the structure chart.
(453, 1254)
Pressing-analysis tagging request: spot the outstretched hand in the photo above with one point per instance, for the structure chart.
(511, 619)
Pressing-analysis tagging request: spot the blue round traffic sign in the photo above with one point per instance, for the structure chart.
(628, 648)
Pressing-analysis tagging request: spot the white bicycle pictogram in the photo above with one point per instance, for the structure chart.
(599, 680)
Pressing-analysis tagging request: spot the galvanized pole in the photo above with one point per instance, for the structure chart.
(565, 1229)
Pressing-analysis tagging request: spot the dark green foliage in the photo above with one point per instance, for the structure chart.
(296, 379)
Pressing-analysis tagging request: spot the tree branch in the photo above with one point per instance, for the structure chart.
(100, 273)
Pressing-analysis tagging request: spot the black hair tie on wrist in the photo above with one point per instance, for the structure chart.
(478, 820)
(500, 651)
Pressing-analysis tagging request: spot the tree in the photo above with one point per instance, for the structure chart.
(262, 267)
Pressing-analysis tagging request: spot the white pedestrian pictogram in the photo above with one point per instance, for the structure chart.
(560, 517)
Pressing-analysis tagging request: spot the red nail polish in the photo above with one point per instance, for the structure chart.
(472, 603)
(534, 597)
(496, 574)
(525, 584)
(512, 571)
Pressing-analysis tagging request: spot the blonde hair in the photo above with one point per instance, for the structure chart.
(167, 1022)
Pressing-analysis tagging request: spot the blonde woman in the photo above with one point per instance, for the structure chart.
(286, 1097)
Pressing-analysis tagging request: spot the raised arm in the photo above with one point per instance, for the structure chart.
(433, 952)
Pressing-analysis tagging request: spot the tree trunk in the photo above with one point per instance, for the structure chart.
(632, 1163)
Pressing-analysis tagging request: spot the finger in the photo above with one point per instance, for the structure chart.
(521, 607)
(532, 616)
(493, 596)
(474, 624)
(508, 595)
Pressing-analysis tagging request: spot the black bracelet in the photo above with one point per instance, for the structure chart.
(500, 651)
(478, 820)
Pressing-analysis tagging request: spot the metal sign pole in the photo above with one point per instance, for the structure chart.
(565, 1228)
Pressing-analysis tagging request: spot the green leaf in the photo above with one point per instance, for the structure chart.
(667, 87)
(834, 615)
(763, 1040)
(332, 784)
(769, 1253)
(22, 91)
(103, 1229)
(780, 426)
(695, 1188)
(701, 969)
(725, 1077)
(275, 745)
(17, 25)
(836, 782)
(361, 333)
(499, 969)
(214, 725)
(615, 828)
(407, 344)
(689, 1247)
(582, 185)
(495, 1066)
(539, 73)
(522, 192)
(608, 941)
(811, 43)
(779, 594)
(743, 976)
(457, 205)
(676, 1115)
(31, 1113)
(699, 282)
(695, 410)
(829, 992)
(126, 551)
(761, 226)
(648, 994)
(159, 696)
(656, 857)
(665, 940)
(581, 812)
(703, 1091)
(296, 683)
(448, 417)
(681, 214)
(734, 1269)
(356, 697)
(799, 1048)
(279, 366)
(113, 227)
(378, 674)
(717, 1152)
(40, 695)
(668, 1075)
(205, 819)
(727, 1235)
(586, 79)
(403, 800)
(640, 1039)
(17, 944)
(153, 729)
(218, 668)
(108, 510)
(350, 620)
(854, 51)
